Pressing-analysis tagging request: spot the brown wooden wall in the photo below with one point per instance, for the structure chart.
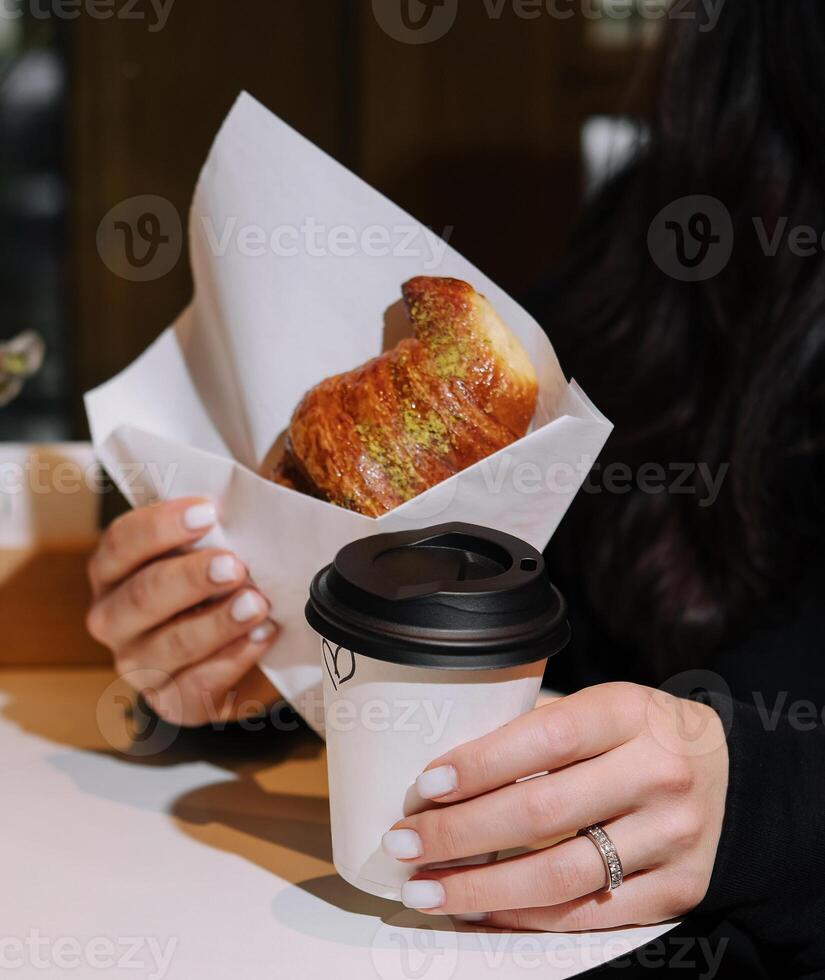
(478, 131)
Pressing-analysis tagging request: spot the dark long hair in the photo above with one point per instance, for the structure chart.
(725, 370)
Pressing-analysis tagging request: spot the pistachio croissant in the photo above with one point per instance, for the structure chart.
(460, 389)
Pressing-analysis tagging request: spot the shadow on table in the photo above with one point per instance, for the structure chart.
(223, 787)
(302, 909)
(240, 791)
(261, 822)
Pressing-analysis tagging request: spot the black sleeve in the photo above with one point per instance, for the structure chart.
(769, 876)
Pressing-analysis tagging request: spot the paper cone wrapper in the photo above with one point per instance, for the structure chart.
(298, 266)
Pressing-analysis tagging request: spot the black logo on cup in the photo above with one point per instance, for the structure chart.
(340, 665)
(692, 239)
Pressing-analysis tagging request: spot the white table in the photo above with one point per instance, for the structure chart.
(207, 860)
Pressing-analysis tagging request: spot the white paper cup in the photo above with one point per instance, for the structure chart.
(384, 724)
(429, 639)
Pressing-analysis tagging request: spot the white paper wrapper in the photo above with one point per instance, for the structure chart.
(298, 266)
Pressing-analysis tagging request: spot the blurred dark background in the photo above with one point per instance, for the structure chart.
(497, 130)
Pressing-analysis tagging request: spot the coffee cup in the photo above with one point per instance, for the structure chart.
(429, 638)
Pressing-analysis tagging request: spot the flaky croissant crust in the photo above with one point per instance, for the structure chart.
(460, 389)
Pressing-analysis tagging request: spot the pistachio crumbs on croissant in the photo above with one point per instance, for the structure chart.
(460, 389)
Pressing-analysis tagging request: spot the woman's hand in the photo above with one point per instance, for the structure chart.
(186, 627)
(652, 769)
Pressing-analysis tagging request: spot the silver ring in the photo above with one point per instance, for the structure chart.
(609, 854)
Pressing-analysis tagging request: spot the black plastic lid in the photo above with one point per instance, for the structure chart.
(453, 596)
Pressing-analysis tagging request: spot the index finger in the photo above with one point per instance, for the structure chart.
(147, 533)
(570, 729)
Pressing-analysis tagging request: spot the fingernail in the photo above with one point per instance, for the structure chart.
(224, 568)
(402, 844)
(472, 917)
(247, 606)
(199, 517)
(263, 632)
(437, 782)
(423, 895)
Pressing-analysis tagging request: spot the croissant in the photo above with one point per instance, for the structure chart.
(460, 389)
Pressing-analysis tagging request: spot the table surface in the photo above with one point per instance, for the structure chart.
(168, 854)
(44, 595)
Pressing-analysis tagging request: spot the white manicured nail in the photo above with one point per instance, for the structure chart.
(223, 569)
(262, 633)
(472, 917)
(437, 782)
(401, 844)
(423, 895)
(247, 606)
(199, 517)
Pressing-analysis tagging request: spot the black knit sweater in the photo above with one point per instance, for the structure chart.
(764, 911)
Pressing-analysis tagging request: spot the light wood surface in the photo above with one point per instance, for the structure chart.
(44, 595)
